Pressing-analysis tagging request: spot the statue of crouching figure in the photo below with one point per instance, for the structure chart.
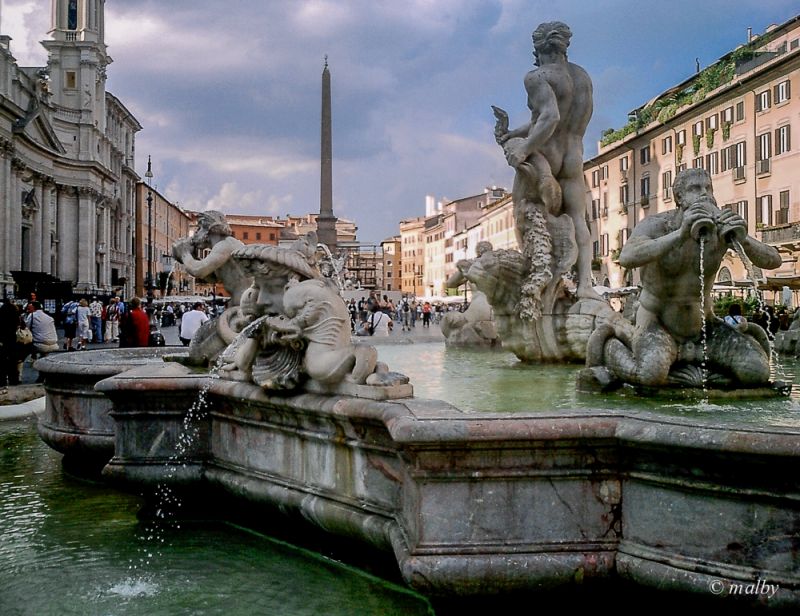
(302, 327)
(678, 340)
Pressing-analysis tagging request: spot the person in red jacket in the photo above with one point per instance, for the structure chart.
(135, 326)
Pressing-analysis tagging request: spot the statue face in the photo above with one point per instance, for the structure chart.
(270, 293)
(696, 188)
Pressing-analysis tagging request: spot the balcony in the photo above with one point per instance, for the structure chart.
(783, 234)
(763, 166)
(739, 174)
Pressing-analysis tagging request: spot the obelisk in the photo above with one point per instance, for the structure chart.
(326, 223)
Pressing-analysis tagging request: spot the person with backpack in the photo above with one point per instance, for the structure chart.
(405, 315)
(69, 313)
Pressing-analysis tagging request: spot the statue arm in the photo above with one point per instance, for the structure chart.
(762, 255)
(204, 268)
(542, 99)
(643, 249)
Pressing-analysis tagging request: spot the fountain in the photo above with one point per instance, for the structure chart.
(486, 497)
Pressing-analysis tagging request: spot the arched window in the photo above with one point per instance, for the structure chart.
(724, 276)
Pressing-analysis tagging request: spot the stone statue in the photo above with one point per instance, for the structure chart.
(677, 339)
(475, 326)
(296, 327)
(533, 310)
(214, 233)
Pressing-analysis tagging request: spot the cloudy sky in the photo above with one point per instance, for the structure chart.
(229, 93)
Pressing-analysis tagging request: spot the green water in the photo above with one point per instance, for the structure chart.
(496, 382)
(69, 547)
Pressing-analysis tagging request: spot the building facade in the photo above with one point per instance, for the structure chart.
(164, 223)
(412, 256)
(67, 178)
(254, 229)
(392, 255)
(739, 120)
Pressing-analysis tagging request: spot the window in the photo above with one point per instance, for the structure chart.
(712, 121)
(71, 80)
(727, 115)
(712, 163)
(72, 15)
(666, 181)
(623, 195)
(666, 145)
(727, 158)
(782, 139)
(697, 163)
(644, 155)
(681, 138)
(740, 111)
(764, 210)
(258, 235)
(604, 172)
(763, 100)
(782, 92)
(697, 128)
(245, 235)
(595, 249)
(679, 168)
(623, 163)
(272, 236)
(595, 178)
(595, 209)
(763, 152)
(783, 212)
(645, 190)
(604, 244)
(741, 154)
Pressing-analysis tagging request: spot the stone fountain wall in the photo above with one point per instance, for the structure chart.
(481, 503)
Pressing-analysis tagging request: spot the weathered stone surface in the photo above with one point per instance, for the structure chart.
(477, 503)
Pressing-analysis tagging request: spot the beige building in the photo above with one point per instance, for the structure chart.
(739, 120)
(164, 223)
(412, 243)
(392, 264)
(67, 175)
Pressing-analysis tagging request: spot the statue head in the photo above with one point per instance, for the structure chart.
(483, 247)
(209, 223)
(551, 37)
(693, 186)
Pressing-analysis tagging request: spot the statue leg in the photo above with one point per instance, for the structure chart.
(740, 354)
(654, 352)
(574, 195)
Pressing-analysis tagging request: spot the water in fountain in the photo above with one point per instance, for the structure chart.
(775, 361)
(703, 328)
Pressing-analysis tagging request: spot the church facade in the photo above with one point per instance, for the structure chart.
(67, 178)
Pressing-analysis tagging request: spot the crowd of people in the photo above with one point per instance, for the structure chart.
(28, 331)
(376, 315)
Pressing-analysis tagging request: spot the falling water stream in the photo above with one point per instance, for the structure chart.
(703, 328)
(748, 265)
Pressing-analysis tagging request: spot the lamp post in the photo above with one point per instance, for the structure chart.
(149, 176)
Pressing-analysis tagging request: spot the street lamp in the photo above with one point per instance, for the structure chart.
(149, 176)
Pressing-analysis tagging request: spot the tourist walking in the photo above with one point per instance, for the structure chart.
(191, 322)
(426, 314)
(69, 312)
(96, 319)
(83, 318)
(9, 322)
(112, 320)
(134, 326)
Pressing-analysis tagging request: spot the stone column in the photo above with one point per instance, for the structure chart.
(15, 207)
(6, 228)
(86, 240)
(46, 216)
(36, 225)
(66, 235)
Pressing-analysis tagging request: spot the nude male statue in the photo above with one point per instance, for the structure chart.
(551, 144)
(213, 232)
(669, 321)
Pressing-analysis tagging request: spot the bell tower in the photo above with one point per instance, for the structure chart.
(77, 61)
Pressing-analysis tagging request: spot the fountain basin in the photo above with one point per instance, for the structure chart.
(76, 420)
(476, 503)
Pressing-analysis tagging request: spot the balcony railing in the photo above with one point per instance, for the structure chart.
(763, 166)
(738, 173)
(781, 234)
